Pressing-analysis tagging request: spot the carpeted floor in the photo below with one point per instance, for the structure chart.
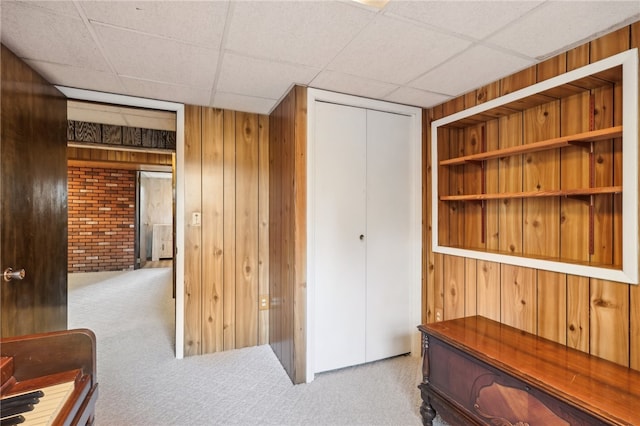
(141, 383)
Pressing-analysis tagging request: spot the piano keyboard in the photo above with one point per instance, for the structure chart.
(50, 405)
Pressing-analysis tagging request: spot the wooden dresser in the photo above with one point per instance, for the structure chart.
(478, 371)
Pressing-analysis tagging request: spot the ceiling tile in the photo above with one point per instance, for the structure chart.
(197, 22)
(395, 51)
(66, 75)
(476, 19)
(257, 77)
(40, 34)
(243, 103)
(475, 67)
(352, 85)
(61, 7)
(306, 33)
(166, 92)
(146, 57)
(558, 25)
(416, 97)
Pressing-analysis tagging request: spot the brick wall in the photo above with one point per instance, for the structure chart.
(101, 219)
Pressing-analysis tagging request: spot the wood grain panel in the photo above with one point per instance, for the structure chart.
(518, 297)
(604, 233)
(635, 290)
(212, 230)
(574, 173)
(263, 227)
(246, 229)
(192, 237)
(473, 142)
(552, 306)
(488, 290)
(491, 182)
(578, 312)
(609, 321)
(300, 236)
(470, 286)
(87, 132)
(541, 172)
(454, 298)
(510, 180)
(229, 233)
(428, 256)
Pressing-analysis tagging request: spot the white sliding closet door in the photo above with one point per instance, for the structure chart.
(340, 219)
(389, 235)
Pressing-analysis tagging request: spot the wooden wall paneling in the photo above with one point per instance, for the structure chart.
(212, 230)
(454, 285)
(470, 286)
(112, 134)
(541, 172)
(300, 229)
(578, 57)
(517, 81)
(605, 235)
(574, 173)
(263, 227)
(229, 233)
(518, 297)
(488, 290)
(473, 139)
(456, 186)
(275, 230)
(551, 67)
(609, 321)
(552, 306)
(491, 182)
(577, 325)
(510, 220)
(246, 229)
(87, 132)
(132, 136)
(444, 178)
(634, 335)
(192, 238)
(438, 287)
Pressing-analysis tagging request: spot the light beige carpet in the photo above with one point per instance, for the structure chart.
(141, 383)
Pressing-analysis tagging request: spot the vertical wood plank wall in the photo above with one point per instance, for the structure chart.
(595, 316)
(226, 258)
(287, 230)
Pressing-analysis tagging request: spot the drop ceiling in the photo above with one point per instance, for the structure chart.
(245, 55)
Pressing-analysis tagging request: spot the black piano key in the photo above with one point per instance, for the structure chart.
(19, 409)
(11, 421)
(16, 403)
(22, 396)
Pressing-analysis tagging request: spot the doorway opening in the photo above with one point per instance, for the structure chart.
(138, 159)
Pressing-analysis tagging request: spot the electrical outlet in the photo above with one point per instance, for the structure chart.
(264, 302)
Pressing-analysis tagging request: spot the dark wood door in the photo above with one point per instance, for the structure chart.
(33, 219)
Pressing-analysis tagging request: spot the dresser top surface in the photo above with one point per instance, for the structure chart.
(603, 386)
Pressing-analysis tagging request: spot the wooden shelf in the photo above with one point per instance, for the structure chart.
(564, 141)
(532, 194)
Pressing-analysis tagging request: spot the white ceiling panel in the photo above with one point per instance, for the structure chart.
(306, 33)
(416, 97)
(475, 67)
(196, 22)
(244, 103)
(257, 77)
(66, 75)
(39, 34)
(147, 57)
(166, 92)
(558, 24)
(352, 85)
(395, 51)
(476, 19)
(246, 54)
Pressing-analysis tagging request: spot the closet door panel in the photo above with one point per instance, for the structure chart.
(389, 238)
(340, 217)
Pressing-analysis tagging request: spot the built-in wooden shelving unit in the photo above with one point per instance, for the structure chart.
(465, 177)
